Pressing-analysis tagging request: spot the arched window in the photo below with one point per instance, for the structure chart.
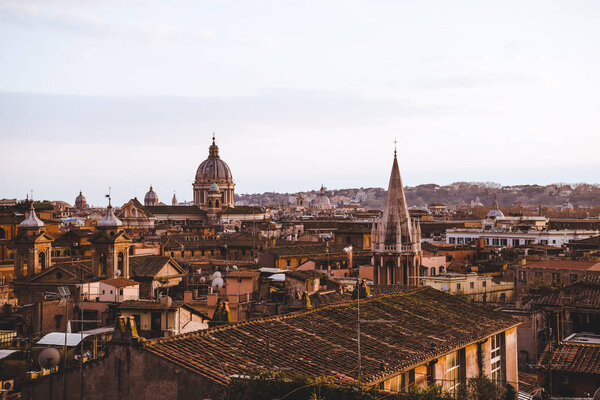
(2, 234)
(120, 261)
(102, 261)
(210, 203)
(42, 259)
(217, 203)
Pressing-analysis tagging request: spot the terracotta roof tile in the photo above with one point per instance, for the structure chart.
(401, 330)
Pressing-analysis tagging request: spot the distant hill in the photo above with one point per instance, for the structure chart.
(579, 195)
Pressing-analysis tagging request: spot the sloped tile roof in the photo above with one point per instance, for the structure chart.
(572, 357)
(402, 330)
(148, 266)
(564, 264)
(120, 282)
(584, 293)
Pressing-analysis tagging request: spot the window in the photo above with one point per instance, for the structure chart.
(458, 286)
(496, 357)
(103, 291)
(555, 277)
(452, 369)
(433, 271)
(522, 276)
(484, 284)
(120, 261)
(288, 263)
(573, 277)
(398, 383)
(472, 285)
(121, 292)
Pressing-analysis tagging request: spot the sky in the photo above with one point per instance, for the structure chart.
(124, 94)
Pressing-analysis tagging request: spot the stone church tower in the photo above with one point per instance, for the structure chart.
(32, 246)
(396, 239)
(110, 247)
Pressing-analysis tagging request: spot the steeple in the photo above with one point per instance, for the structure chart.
(396, 239)
(174, 201)
(395, 227)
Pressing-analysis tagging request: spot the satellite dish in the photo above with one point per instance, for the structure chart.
(215, 275)
(202, 279)
(166, 301)
(234, 267)
(49, 358)
(117, 273)
(217, 283)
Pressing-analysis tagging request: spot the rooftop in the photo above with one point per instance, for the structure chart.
(565, 264)
(417, 326)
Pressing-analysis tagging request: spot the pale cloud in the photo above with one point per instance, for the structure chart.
(36, 15)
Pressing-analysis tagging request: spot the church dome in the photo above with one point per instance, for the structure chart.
(32, 220)
(495, 212)
(80, 201)
(213, 169)
(322, 200)
(151, 198)
(109, 220)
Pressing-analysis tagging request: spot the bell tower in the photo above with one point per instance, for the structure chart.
(110, 247)
(396, 239)
(33, 248)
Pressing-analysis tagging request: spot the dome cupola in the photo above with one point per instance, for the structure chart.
(80, 201)
(213, 184)
(32, 221)
(151, 198)
(109, 220)
(213, 169)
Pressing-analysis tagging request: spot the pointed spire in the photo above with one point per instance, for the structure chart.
(395, 147)
(395, 226)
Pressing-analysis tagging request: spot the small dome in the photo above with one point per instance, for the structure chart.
(213, 169)
(32, 221)
(80, 201)
(151, 198)
(109, 220)
(495, 212)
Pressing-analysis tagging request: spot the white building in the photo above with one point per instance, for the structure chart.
(478, 287)
(509, 238)
(113, 290)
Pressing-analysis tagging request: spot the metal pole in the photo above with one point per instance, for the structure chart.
(358, 325)
(64, 393)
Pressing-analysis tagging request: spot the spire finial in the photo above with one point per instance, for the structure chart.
(213, 138)
(108, 195)
(395, 147)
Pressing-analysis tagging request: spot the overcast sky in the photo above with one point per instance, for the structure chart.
(101, 93)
